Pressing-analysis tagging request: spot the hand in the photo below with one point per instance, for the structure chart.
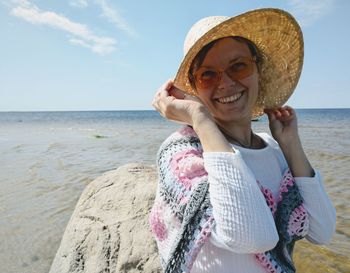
(283, 125)
(284, 128)
(174, 104)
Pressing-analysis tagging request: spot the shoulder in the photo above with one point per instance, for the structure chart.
(180, 163)
(183, 132)
(181, 153)
(184, 138)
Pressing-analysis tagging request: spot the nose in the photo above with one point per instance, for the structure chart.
(225, 81)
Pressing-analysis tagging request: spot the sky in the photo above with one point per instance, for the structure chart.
(73, 55)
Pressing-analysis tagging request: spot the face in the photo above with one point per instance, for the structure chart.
(229, 100)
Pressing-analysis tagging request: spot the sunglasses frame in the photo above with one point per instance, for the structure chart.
(199, 84)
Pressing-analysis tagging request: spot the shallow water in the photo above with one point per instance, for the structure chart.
(47, 159)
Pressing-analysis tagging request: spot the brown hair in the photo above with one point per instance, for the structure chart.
(198, 60)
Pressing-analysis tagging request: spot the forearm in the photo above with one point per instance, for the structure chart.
(322, 214)
(296, 158)
(210, 136)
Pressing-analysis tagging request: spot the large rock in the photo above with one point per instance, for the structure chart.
(109, 231)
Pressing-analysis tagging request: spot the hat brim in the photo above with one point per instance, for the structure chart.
(279, 39)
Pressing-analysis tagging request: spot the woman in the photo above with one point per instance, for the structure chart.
(229, 199)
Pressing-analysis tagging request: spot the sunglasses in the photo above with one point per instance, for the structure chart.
(208, 77)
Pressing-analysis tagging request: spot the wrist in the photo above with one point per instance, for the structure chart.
(200, 117)
(291, 144)
(296, 158)
(210, 136)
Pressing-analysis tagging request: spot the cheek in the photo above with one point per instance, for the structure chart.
(205, 97)
(255, 87)
(252, 83)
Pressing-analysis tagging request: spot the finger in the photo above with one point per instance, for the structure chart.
(155, 104)
(290, 110)
(160, 97)
(163, 94)
(165, 101)
(268, 111)
(270, 114)
(167, 85)
(277, 113)
(282, 114)
(177, 93)
(285, 113)
(288, 107)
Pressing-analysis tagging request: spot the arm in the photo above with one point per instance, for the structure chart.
(244, 222)
(322, 216)
(296, 158)
(284, 129)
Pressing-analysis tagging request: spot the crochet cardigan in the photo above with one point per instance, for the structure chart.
(182, 219)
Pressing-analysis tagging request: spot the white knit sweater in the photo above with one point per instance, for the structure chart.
(244, 222)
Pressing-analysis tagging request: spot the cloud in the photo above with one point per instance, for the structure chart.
(310, 11)
(114, 17)
(78, 3)
(83, 36)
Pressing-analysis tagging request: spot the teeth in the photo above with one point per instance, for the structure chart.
(230, 99)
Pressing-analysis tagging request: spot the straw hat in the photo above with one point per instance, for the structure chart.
(276, 34)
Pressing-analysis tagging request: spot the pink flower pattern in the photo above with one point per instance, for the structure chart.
(298, 222)
(156, 222)
(264, 260)
(188, 166)
(270, 200)
(287, 181)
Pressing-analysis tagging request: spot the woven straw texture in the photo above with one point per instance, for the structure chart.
(279, 39)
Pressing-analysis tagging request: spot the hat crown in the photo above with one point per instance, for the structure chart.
(200, 28)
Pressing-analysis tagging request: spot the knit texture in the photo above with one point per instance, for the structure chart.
(182, 219)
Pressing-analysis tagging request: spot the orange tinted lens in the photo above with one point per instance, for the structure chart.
(240, 69)
(209, 77)
(206, 78)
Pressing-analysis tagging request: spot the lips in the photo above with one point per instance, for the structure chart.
(230, 99)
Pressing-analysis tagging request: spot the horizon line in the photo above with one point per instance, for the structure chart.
(135, 110)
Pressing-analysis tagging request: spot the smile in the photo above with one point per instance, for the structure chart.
(230, 99)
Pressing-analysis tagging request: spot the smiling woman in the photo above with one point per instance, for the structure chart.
(230, 199)
(225, 93)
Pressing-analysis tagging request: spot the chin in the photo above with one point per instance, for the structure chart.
(233, 117)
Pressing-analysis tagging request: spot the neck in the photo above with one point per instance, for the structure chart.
(240, 134)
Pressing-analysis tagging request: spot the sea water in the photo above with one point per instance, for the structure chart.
(48, 158)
